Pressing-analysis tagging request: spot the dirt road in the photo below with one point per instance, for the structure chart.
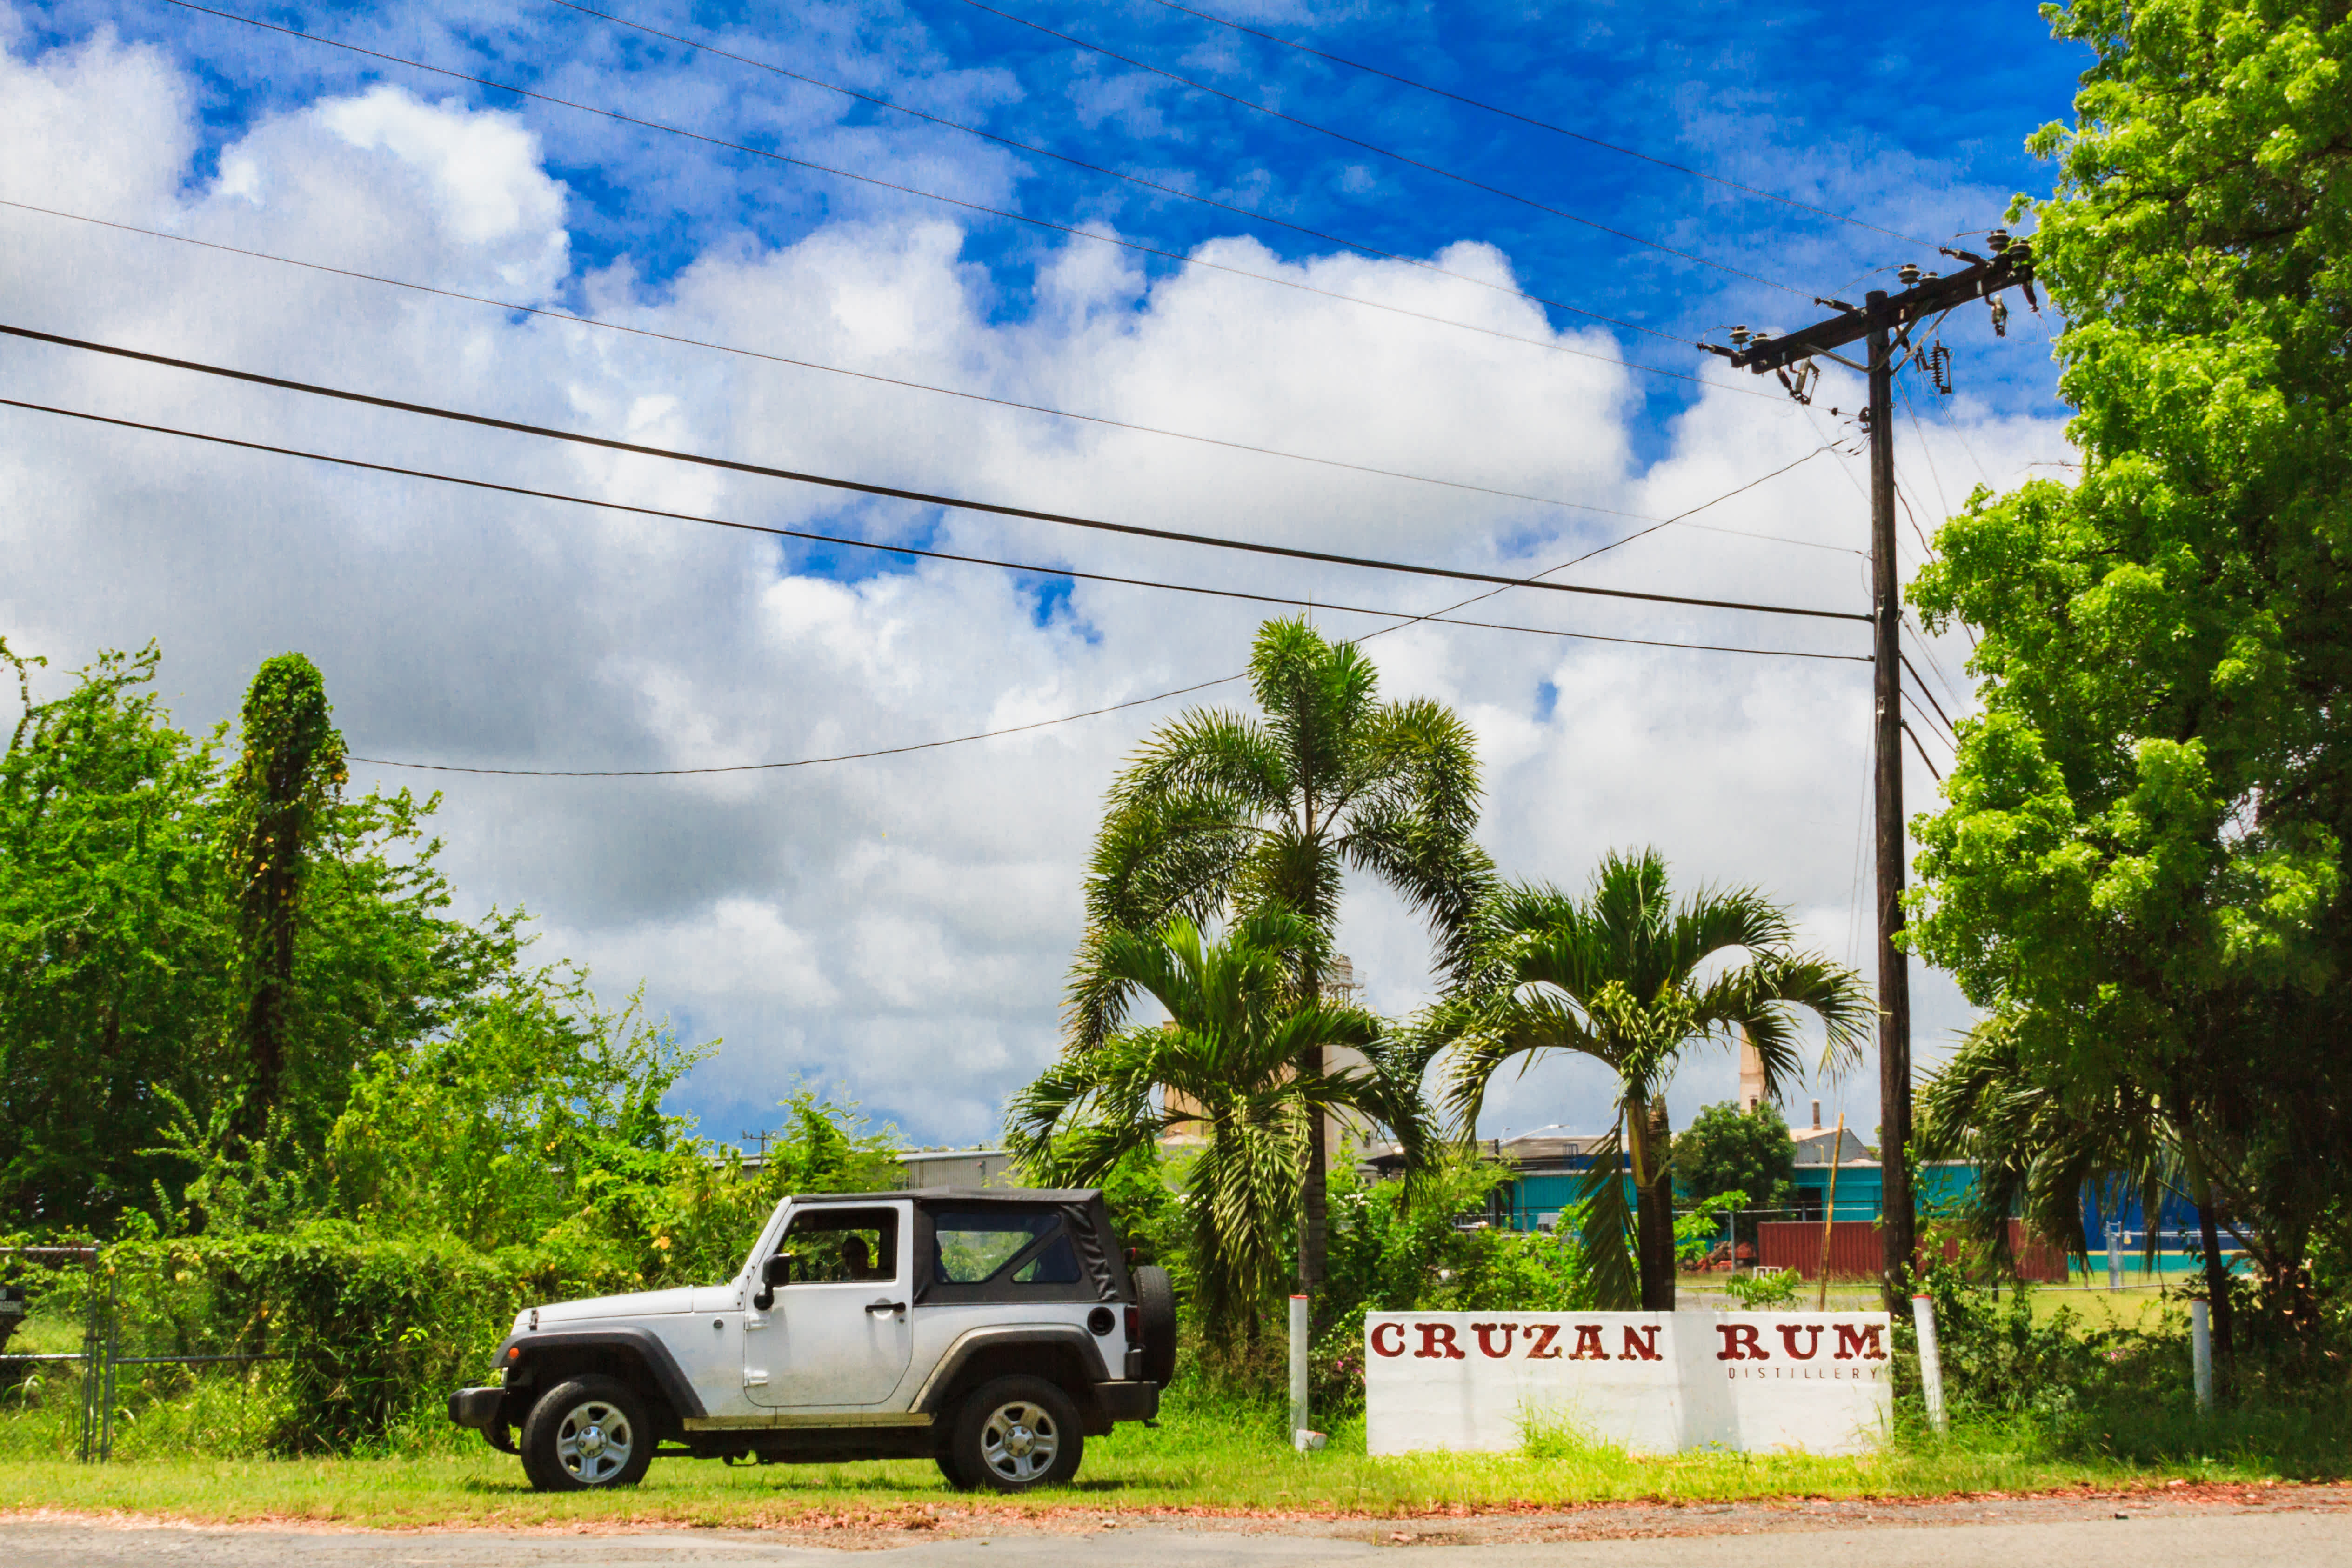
(2233, 1526)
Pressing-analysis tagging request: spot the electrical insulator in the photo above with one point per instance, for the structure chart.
(1908, 272)
(1739, 336)
(1937, 362)
(2000, 316)
(1998, 240)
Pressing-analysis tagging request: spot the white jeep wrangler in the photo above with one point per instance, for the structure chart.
(993, 1330)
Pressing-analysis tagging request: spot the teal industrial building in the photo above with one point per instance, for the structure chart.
(1837, 1177)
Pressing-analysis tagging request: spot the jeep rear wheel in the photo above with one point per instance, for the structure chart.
(1016, 1433)
(585, 1435)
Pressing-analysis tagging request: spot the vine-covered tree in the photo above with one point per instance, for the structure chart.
(286, 784)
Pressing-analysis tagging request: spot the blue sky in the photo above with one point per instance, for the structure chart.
(1915, 121)
(901, 927)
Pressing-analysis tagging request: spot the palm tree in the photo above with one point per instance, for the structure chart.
(1221, 816)
(2037, 1134)
(1228, 1058)
(1617, 976)
(2037, 1141)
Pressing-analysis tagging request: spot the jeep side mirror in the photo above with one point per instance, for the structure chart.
(777, 1270)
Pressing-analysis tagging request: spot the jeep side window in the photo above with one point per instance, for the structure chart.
(973, 1247)
(843, 1246)
(1056, 1265)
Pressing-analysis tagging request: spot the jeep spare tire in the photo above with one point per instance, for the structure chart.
(1157, 1297)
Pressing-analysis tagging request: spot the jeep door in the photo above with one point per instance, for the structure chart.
(838, 1333)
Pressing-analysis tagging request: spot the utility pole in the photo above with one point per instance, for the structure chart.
(1884, 324)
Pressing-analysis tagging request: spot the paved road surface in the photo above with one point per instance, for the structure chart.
(2292, 1526)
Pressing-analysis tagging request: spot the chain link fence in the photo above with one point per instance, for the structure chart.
(96, 1362)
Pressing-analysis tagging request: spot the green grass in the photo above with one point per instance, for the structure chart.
(189, 1448)
(1214, 1459)
(2139, 1305)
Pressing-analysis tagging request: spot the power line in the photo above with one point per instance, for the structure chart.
(577, 320)
(1379, 151)
(797, 762)
(898, 493)
(863, 544)
(1613, 544)
(1910, 407)
(1922, 712)
(1588, 140)
(1914, 737)
(1778, 538)
(1136, 245)
(1928, 694)
(1030, 147)
(1860, 838)
(1404, 616)
(1681, 519)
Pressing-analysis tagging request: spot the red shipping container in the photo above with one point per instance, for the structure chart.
(1855, 1251)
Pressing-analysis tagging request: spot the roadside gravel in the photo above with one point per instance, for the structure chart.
(2180, 1526)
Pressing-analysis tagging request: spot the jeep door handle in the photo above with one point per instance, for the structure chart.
(886, 1306)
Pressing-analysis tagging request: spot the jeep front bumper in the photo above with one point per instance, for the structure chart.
(478, 1407)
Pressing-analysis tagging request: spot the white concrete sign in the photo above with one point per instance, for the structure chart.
(1652, 1382)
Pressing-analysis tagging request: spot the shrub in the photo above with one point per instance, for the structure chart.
(1761, 1292)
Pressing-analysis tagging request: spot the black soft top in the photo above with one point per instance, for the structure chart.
(1086, 1222)
(961, 1195)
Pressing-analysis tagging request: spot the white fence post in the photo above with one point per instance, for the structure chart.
(1931, 1363)
(1299, 1332)
(2114, 1255)
(2200, 1348)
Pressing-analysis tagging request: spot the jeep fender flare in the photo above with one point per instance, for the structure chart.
(639, 1344)
(1063, 1339)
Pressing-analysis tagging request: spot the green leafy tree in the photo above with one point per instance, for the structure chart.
(1227, 1065)
(1223, 816)
(2139, 860)
(538, 1110)
(1617, 976)
(127, 958)
(380, 963)
(112, 941)
(1751, 1152)
(284, 787)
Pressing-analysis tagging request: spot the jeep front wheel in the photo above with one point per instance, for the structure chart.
(587, 1434)
(1016, 1433)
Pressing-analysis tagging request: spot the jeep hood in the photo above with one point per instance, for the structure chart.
(637, 1305)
